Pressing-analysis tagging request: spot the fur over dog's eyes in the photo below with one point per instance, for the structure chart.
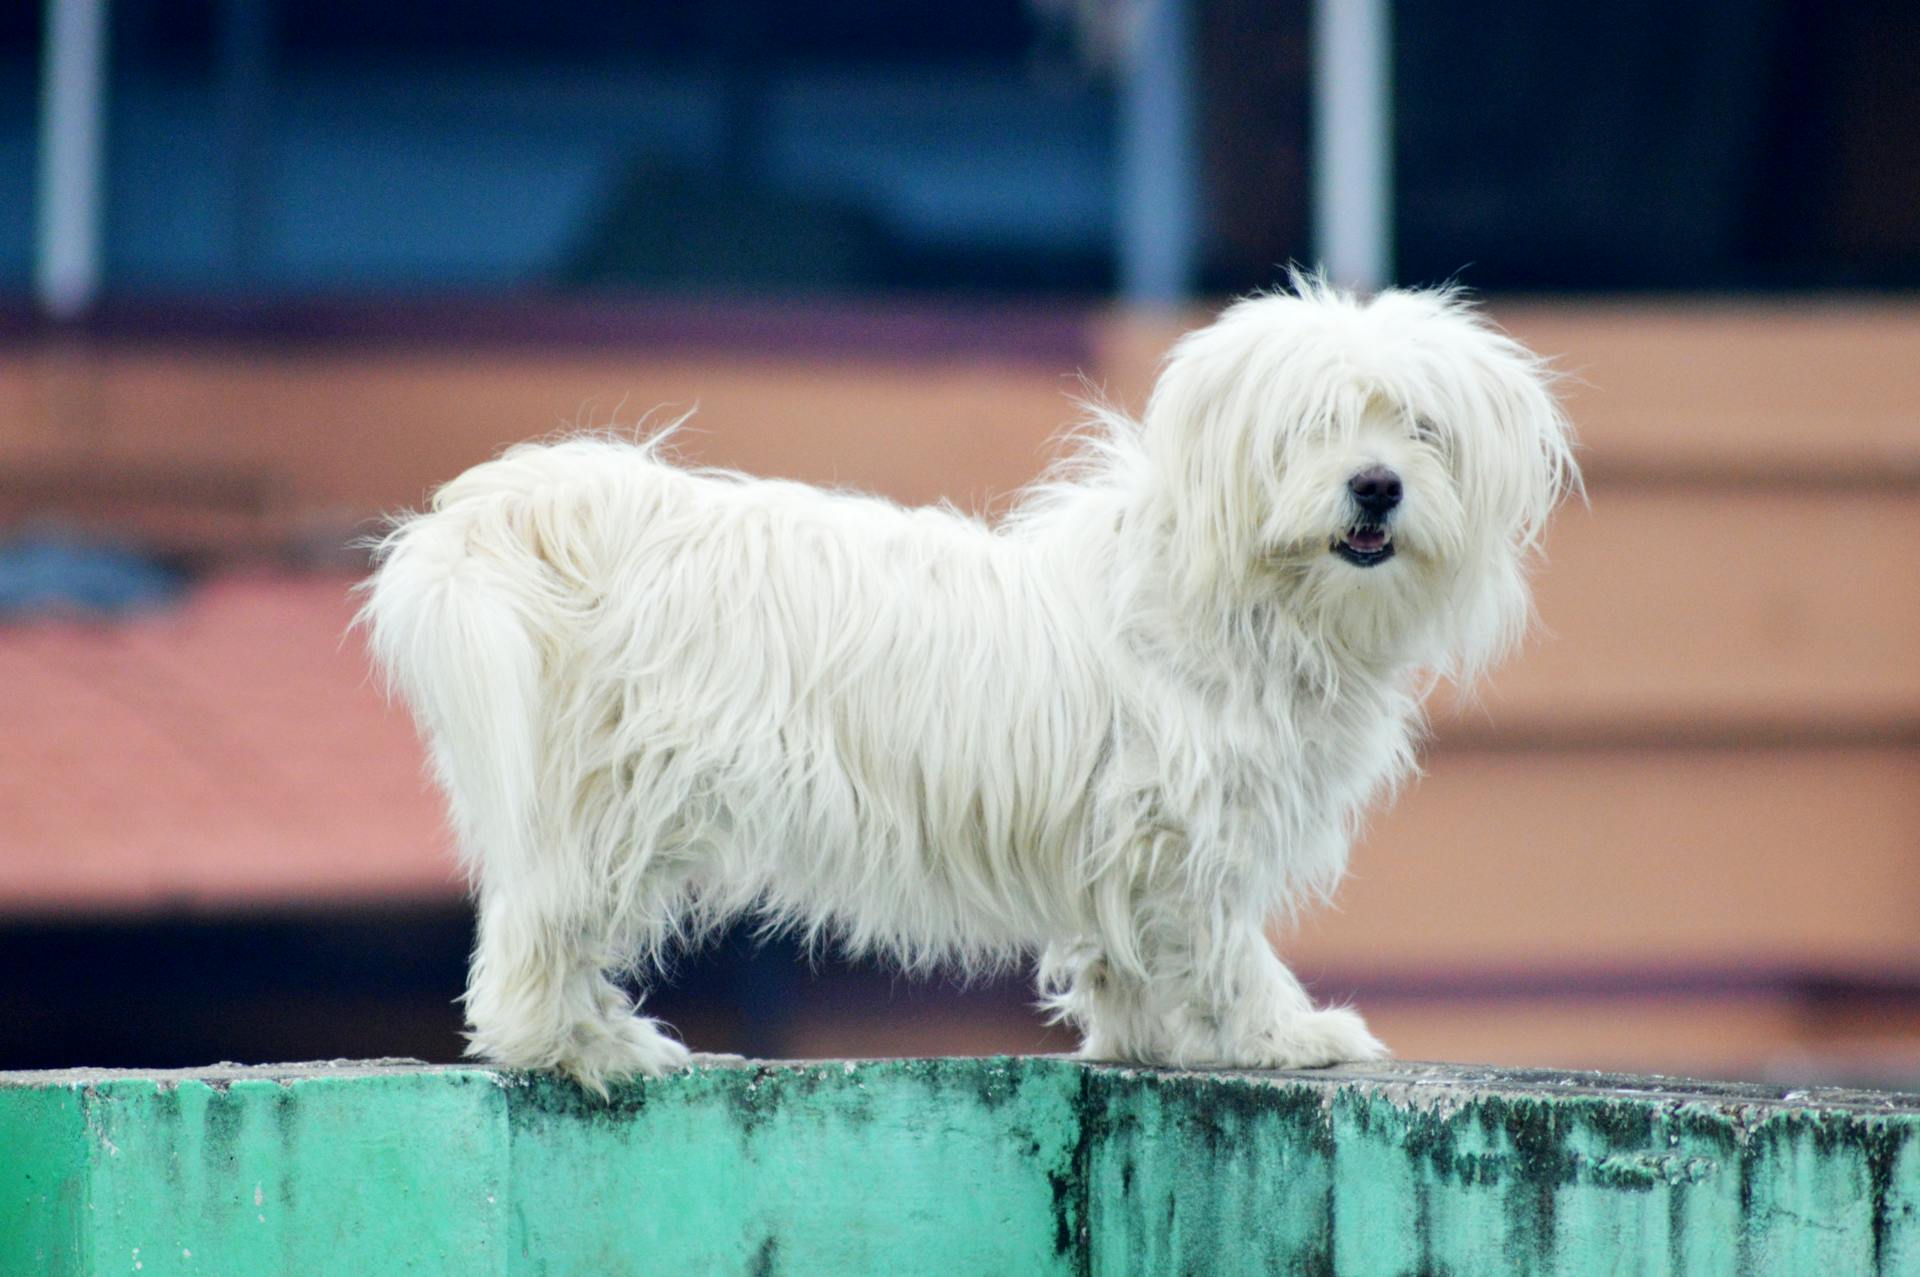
(1425, 431)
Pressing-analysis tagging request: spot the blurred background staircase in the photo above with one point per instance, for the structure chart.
(1681, 832)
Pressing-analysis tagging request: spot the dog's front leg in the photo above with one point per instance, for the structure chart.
(1199, 996)
(538, 994)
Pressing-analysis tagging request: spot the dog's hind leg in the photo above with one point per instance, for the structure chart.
(539, 996)
(1204, 997)
(1261, 1016)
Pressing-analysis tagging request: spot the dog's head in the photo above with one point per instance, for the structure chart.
(1385, 465)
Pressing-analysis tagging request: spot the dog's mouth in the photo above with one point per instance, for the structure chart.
(1367, 545)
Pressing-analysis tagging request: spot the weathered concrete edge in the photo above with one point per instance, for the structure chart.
(1411, 1083)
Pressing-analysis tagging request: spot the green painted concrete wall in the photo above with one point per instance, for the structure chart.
(1001, 1166)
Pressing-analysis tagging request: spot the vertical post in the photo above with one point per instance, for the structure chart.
(746, 66)
(246, 65)
(72, 136)
(1159, 172)
(1352, 153)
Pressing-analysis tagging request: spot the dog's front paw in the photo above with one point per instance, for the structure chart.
(1320, 1038)
(604, 1051)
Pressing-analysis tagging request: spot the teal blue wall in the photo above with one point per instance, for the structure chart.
(952, 1166)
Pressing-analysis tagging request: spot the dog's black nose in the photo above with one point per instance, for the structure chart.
(1376, 490)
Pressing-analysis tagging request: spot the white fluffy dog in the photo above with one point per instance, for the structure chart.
(1122, 730)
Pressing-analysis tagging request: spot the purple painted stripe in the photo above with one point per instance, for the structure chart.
(1056, 335)
(1708, 981)
(847, 987)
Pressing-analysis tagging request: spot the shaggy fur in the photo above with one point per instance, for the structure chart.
(1122, 730)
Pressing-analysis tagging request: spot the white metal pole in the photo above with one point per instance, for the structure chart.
(72, 134)
(1352, 153)
(1159, 173)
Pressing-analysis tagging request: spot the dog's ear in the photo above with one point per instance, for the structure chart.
(1511, 445)
(1526, 465)
(1206, 460)
(1493, 400)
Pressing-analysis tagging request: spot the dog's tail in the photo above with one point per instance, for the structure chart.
(447, 613)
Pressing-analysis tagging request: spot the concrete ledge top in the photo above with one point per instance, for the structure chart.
(1415, 1082)
(1003, 1165)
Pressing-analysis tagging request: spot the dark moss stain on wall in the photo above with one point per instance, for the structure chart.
(166, 1114)
(763, 1094)
(286, 1124)
(1527, 1149)
(226, 1112)
(1883, 1145)
(1871, 1146)
(757, 1099)
(1679, 1207)
(993, 1082)
(562, 1099)
(1422, 1223)
(766, 1258)
(1877, 1145)
(1536, 1132)
(1181, 1161)
(1069, 1181)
